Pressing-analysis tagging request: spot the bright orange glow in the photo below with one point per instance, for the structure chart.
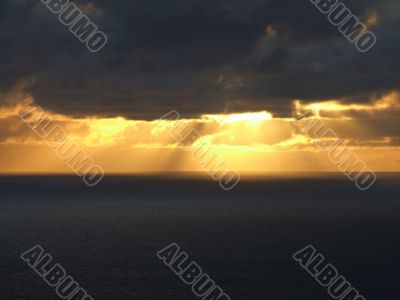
(249, 142)
(390, 101)
(254, 118)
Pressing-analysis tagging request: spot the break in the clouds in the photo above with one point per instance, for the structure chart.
(257, 141)
(197, 56)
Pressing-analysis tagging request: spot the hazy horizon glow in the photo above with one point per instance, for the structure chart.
(249, 142)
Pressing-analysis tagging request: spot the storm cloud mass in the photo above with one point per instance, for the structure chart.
(196, 56)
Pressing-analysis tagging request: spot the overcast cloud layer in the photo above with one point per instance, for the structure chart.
(196, 56)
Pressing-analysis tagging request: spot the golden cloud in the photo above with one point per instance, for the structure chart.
(250, 141)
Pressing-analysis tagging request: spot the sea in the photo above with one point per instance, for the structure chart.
(107, 237)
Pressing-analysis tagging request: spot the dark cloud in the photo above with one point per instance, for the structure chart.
(197, 57)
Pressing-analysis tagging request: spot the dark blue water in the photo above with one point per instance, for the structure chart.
(107, 237)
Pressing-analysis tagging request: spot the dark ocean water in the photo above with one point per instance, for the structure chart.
(107, 237)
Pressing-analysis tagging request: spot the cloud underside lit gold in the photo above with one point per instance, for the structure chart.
(248, 142)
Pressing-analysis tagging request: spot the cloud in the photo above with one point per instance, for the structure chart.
(250, 141)
(168, 55)
(387, 103)
(370, 123)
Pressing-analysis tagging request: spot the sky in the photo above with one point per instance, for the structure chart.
(238, 72)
